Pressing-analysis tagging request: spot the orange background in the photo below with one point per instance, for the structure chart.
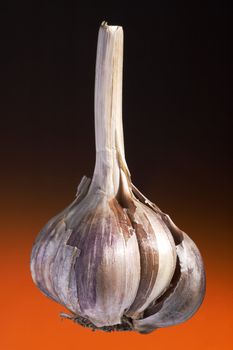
(177, 135)
(31, 321)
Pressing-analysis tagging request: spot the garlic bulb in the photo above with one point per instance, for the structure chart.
(113, 258)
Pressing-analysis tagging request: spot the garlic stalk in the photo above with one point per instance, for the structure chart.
(112, 257)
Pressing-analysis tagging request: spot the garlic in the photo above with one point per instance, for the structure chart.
(113, 258)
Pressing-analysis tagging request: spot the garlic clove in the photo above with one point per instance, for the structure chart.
(186, 292)
(158, 257)
(106, 282)
(156, 247)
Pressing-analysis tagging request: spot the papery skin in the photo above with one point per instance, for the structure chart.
(113, 257)
(187, 289)
(81, 260)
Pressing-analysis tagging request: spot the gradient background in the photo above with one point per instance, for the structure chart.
(177, 139)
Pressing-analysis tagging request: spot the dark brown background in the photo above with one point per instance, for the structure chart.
(176, 110)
